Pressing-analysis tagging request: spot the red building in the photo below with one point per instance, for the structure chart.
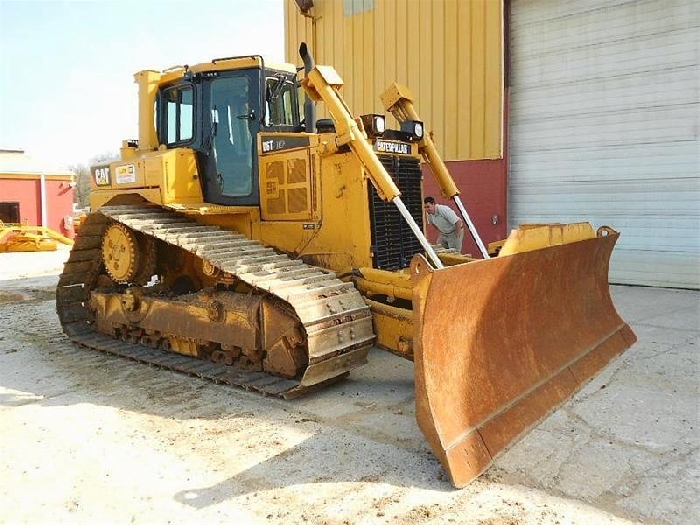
(34, 193)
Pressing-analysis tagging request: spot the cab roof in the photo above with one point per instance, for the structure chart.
(225, 64)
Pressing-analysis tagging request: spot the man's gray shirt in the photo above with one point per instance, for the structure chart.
(444, 219)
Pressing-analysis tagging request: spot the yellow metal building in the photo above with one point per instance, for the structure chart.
(451, 55)
(448, 52)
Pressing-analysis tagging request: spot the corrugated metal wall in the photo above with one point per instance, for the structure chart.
(448, 52)
(605, 114)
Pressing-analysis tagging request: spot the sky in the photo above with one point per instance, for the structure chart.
(67, 92)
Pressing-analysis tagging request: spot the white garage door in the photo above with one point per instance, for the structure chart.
(605, 127)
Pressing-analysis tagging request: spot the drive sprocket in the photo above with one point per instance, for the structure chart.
(120, 252)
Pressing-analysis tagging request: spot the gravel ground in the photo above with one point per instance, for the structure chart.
(91, 438)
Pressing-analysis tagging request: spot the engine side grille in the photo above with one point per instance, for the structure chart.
(393, 242)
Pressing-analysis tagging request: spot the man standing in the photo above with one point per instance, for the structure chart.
(445, 220)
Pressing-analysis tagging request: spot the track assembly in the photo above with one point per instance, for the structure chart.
(334, 323)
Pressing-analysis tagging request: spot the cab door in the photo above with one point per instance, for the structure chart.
(231, 158)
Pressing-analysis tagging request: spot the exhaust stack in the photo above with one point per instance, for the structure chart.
(309, 105)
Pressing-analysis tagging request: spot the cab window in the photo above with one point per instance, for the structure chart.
(280, 103)
(179, 111)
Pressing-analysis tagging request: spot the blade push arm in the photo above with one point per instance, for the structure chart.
(398, 100)
(322, 83)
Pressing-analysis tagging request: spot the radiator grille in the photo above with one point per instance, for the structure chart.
(393, 242)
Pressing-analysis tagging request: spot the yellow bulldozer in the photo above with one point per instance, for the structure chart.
(243, 240)
(26, 238)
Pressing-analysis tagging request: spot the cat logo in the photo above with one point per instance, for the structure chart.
(102, 176)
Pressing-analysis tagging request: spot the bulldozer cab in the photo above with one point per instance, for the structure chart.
(219, 115)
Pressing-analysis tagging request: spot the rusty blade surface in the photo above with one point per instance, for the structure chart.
(501, 343)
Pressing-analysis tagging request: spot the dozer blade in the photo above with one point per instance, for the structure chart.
(501, 343)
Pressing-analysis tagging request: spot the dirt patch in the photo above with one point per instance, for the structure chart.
(28, 295)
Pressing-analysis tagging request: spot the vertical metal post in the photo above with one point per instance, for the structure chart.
(44, 220)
